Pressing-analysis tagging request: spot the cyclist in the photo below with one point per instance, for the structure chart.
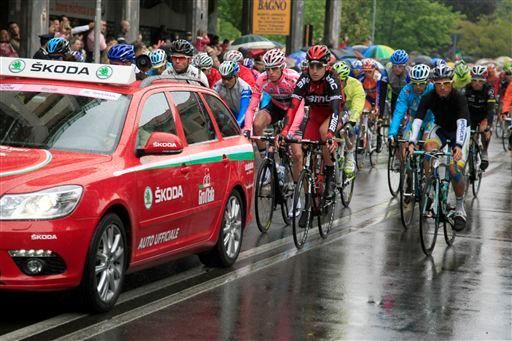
(233, 90)
(237, 57)
(438, 61)
(249, 63)
(204, 62)
(507, 109)
(462, 76)
(395, 76)
(320, 89)
(408, 102)
(371, 81)
(482, 104)
(451, 116)
(505, 77)
(277, 81)
(158, 59)
(356, 68)
(181, 56)
(492, 77)
(121, 54)
(354, 103)
(57, 48)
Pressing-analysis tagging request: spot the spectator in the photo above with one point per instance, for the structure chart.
(201, 41)
(124, 28)
(224, 46)
(14, 31)
(90, 40)
(56, 24)
(188, 37)
(77, 45)
(140, 48)
(65, 31)
(6, 48)
(83, 28)
(43, 40)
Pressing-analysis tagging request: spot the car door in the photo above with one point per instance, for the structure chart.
(209, 163)
(162, 183)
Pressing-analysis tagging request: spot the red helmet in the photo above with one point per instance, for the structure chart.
(368, 64)
(318, 53)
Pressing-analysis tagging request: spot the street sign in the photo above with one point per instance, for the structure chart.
(271, 17)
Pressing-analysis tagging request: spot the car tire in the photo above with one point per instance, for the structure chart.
(229, 243)
(99, 292)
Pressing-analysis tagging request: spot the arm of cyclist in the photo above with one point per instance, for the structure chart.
(400, 110)
(381, 93)
(507, 99)
(297, 96)
(418, 121)
(254, 103)
(244, 104)
(491, 106)
(355, 91)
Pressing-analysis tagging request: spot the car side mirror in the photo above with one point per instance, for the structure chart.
(160, 143)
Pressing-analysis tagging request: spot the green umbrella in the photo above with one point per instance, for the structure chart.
(379, 52)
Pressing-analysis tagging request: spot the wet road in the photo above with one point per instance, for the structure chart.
(368, 280)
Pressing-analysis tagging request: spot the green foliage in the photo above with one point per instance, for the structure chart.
(314, 14)
(472, 9)
(490, 36)
(356, 20)
(229, 21)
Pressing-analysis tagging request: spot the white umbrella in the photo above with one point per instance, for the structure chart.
(255, 45)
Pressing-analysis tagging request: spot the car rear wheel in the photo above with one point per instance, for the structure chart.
(105, 266)
(226, 251)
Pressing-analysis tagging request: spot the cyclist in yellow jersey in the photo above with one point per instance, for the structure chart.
(354, 104)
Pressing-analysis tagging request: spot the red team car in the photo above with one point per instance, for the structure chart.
(101, 174)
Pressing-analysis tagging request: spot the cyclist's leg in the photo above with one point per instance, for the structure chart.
(261, 121)
(457, 176)
(486, 138)
(298, 159)
(433, 141)
(328, 162)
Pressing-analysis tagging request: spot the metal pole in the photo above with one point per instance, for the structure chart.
(97, 29)
(373, 20)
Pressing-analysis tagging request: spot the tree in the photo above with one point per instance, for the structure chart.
(472, 9)
(356, 20)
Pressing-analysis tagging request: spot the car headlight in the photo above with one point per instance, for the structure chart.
(46, 204)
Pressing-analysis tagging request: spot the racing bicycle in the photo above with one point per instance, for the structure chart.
(344, 182)
(473, 171)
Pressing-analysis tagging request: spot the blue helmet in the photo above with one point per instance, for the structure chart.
(57, 46)
(248, 62)
(122, 53)
(158, 58)
(356, 65)
(399, 57)
(438, 61)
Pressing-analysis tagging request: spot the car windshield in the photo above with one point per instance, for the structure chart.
(61, 121)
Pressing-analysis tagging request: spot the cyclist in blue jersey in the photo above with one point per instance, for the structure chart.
(396, 76)
(233, 90)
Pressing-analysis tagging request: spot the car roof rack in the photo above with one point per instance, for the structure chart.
(187, 79)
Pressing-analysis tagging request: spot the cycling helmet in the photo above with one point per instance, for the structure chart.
(419, 72)
(491, 67)
(438, 61)
(319, 53)
(479, 71)
(202, 60)
(356, 64)
(79, 57)
(304, 65)
(342, 69)
(274, 57)
(181, 46)
(507, 68)
(399, 57)
(158, 58)
(233, 56)
(442, 71)
(122, 53)
(229, 69)
(248, 62)
(461, 68)
(57, 46)
(368, 64)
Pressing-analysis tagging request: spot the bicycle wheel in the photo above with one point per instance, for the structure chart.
(500, 128)
(347, 188)
(303, 202)
(286, 192)
(505, 137)
(360, 150)
(326, 215)
(407, 195)
(477, 171)
(393, 171)
(429, 215)
(265, 195)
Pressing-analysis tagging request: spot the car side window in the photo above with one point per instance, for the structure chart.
(226, 122)
(196, 123)
(156, 116)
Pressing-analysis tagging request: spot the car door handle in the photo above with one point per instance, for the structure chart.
(185, 169)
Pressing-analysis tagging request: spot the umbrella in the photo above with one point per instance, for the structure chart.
(503, 60)
(484, 61)
(360, 48)
(248, 38)
(253, 41)
(345, 53)
(379, 51)
(422, 59)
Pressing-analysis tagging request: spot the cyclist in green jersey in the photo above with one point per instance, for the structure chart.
(354, 104)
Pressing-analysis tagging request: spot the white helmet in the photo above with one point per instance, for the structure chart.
(274, 57)
(479, 71)
(419, 72)
(233, 56)
(202, 60)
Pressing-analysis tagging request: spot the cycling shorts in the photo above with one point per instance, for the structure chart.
(426, 128)
(274, 111)
(440, 136)
(317, 116)
(476, 120)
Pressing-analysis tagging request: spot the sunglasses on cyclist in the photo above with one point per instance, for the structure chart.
(179, 59)
(204, 69)
(478, 80)
(316, 65)
(227, 78)
(443, 83)
(422, 83)
(273, 69)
